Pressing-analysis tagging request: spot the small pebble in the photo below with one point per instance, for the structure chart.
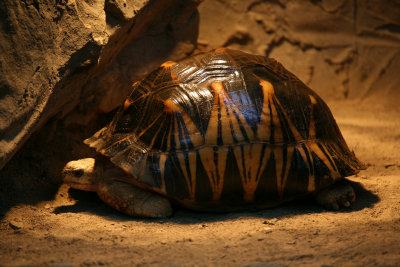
(260, 239)
(163, 242)
(15, 225)
(47, 206)
(270, 222)
(291, 242)
(267, 230)
(387, 165)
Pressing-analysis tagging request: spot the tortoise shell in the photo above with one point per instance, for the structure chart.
(226, 129)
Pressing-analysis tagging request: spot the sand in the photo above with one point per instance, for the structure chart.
(64, 227)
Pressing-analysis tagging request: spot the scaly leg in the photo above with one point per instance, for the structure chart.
(337, 195)
(134, 201)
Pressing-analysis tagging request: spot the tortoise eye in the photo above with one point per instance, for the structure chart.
(78, 173)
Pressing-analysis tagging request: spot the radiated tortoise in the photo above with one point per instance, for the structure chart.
(219, 131)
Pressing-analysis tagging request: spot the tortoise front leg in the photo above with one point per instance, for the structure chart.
(134, 201)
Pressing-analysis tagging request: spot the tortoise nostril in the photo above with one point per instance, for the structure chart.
(77, 173)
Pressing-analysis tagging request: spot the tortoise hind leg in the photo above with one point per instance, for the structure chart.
(134, 201)
(340, 194)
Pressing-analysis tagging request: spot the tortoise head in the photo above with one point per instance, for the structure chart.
(82, 174)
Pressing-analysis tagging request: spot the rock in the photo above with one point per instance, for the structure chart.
(124, 10)
(353, 46)
(55, 55)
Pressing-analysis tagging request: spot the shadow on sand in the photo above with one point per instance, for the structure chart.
(89, 202)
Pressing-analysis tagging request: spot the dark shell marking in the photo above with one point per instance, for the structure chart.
(226, 128)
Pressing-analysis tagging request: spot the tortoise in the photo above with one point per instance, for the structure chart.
(219, 131)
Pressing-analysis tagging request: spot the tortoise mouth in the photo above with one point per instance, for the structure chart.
(80, 186)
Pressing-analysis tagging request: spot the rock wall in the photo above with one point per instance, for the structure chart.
(342, 49)
(60, 56)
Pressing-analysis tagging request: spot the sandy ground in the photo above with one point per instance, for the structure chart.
(63, 227)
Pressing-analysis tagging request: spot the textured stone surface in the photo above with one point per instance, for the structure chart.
(341, 49)
(55, 55)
